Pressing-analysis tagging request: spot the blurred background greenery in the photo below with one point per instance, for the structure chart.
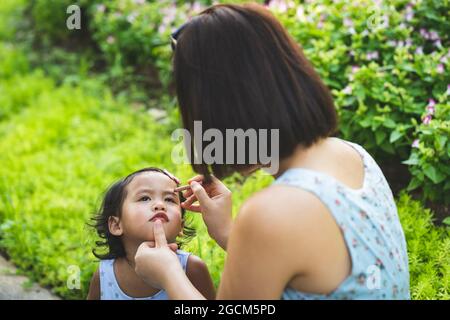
(81, 108)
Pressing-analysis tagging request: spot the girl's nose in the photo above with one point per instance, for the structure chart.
(158, 206)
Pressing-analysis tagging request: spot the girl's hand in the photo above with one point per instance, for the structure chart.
(156, 265)
(214, 204)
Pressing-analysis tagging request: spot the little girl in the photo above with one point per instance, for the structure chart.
(125, 220)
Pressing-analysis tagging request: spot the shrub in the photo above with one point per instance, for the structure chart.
(431, 151)
(381, 75)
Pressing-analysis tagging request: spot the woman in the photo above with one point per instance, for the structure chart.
(327, 228)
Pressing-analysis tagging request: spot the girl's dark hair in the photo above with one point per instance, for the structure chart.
(235, 66)
(112, 206)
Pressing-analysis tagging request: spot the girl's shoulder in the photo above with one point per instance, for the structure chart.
(198, 273)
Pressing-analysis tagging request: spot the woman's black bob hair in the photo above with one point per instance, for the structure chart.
(112, 206)
(235, 66)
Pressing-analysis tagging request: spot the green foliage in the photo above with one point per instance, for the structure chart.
(428, 251)
(382, 75)
(430, 158)
(11, 12)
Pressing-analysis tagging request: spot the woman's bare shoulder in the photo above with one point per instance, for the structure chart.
(278, 201)
(290, 217)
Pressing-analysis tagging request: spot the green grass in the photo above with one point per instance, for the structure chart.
(428, 251)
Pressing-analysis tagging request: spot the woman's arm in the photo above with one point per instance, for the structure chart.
(179, 287)
(198, 274)
(94, 288)
(268, 246)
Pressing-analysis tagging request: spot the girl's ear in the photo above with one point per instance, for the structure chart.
(114, 225)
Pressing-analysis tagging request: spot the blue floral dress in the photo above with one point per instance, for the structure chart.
(371, 228)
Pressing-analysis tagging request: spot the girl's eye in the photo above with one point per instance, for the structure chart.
(145, 198)
(171, 200)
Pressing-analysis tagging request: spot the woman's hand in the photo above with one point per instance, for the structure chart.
(214, 204)
(156, 262)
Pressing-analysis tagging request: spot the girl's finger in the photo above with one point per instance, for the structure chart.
(160, 236)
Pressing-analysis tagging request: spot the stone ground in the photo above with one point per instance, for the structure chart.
(12, 288)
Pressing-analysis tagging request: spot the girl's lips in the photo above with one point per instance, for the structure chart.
(160, 216)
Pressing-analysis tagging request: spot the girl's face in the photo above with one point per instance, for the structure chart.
(150, 196)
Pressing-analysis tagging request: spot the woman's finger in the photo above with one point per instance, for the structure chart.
(200, 193)
(197, 178)
(195, 208)
(187, 193)
(189, 200)
(160, 236)
(172, 246)
(188, 204)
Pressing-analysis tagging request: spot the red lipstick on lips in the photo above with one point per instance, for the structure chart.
(161, 216)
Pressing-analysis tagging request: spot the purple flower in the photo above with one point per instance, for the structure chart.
(300, 13)
(162, 28)
(355, 69)
(431, 103)
(438, 43)
(196, 7)
(348, 22)
(278, 5)
(419, 50)
(434, 35)
(392, 43)
(372, 55)
(427, 119)
(132, 17)
(352, 72)
(430, 110)
(110, 40)
(139, 1)
(415, 143)
(440, 68)
(409, 12)
(424, 33)
(101, 8)
(347, 90)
